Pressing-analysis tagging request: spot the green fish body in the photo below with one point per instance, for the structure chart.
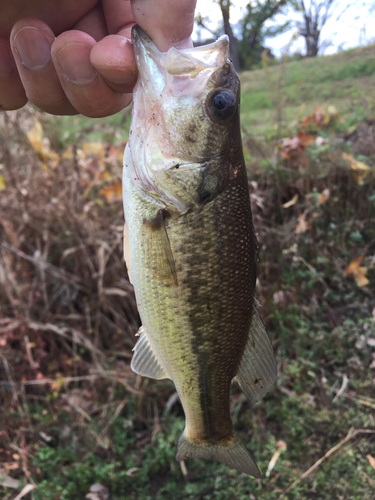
(190, 246)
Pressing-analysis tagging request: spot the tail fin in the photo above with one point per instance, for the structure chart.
(230, 452)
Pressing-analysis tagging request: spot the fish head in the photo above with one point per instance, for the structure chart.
(185, 111)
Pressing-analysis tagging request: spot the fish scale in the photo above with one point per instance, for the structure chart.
(190, 246)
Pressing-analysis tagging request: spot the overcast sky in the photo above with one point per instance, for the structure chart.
(352, 23)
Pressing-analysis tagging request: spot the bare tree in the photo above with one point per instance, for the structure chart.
(315, 15)
(233, 47)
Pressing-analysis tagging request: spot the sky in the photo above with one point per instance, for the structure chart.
(352, 23)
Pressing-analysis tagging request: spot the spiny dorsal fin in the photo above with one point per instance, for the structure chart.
(257, 371)
(145, 362)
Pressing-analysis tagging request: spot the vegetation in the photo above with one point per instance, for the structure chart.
(72, 412)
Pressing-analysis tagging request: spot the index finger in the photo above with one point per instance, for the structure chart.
(119, 17)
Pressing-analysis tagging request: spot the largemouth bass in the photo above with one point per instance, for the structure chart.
(189, 244)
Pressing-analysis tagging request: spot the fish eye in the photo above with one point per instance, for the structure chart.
(221, 104)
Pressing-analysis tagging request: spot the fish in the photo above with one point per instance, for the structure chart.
(190, 246)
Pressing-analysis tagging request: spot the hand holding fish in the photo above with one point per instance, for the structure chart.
(71, 57)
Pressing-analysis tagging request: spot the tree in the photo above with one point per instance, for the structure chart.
(254, 30)
(247, 37)
(315, 14)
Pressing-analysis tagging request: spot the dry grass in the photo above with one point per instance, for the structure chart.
(66, 305)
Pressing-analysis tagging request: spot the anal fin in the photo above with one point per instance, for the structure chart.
(145, 362)
(257, 371)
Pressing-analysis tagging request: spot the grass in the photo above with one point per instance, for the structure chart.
(73, 413)
(343, 80)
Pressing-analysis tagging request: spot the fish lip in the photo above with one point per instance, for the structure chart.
(139, 36)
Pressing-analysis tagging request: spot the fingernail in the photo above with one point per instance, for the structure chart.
(6, 60)
(33, 47)
(74, 60)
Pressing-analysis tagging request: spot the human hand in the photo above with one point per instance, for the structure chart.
(75, 56)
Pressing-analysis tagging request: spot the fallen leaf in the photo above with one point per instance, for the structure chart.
(281, 445)
(319, 117)
(112, 192)
(358, 272)
(305, 139)
(324, 196)
(132, 472)
(9, 482)
(371, 460)
(25, 491)
(303, 225)
(41, 146)
(291, 202)
(359, 168)
(2, 183)
(98, 492)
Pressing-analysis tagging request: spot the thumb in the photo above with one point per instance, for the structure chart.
(169, 23)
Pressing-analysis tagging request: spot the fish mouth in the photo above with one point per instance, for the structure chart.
(163, 69)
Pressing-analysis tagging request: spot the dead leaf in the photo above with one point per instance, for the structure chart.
(132, 472)
(281, 445)
(305, 139)
(291, 202)
(112, 192)
(324, 196)
(41, 146)
(357, 271)
(371, 460)
(319, 117)
(303, 225)
(98, 492)
(25, 491)
(9, 482)
(359, 168)
(2, 183)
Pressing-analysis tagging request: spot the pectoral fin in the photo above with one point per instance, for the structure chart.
(145, 361)
(257, 371)
(127, 252)
(161, 262)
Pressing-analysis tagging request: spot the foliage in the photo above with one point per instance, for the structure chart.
(254, 31)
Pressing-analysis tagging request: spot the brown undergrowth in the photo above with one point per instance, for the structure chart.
(68, 316)
(66, 305)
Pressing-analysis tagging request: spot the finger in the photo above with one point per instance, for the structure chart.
(12, 94)
(31, 41)
(114, 58)
(93, 23)
(82, 84)
(168, 22)
(119, 17)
